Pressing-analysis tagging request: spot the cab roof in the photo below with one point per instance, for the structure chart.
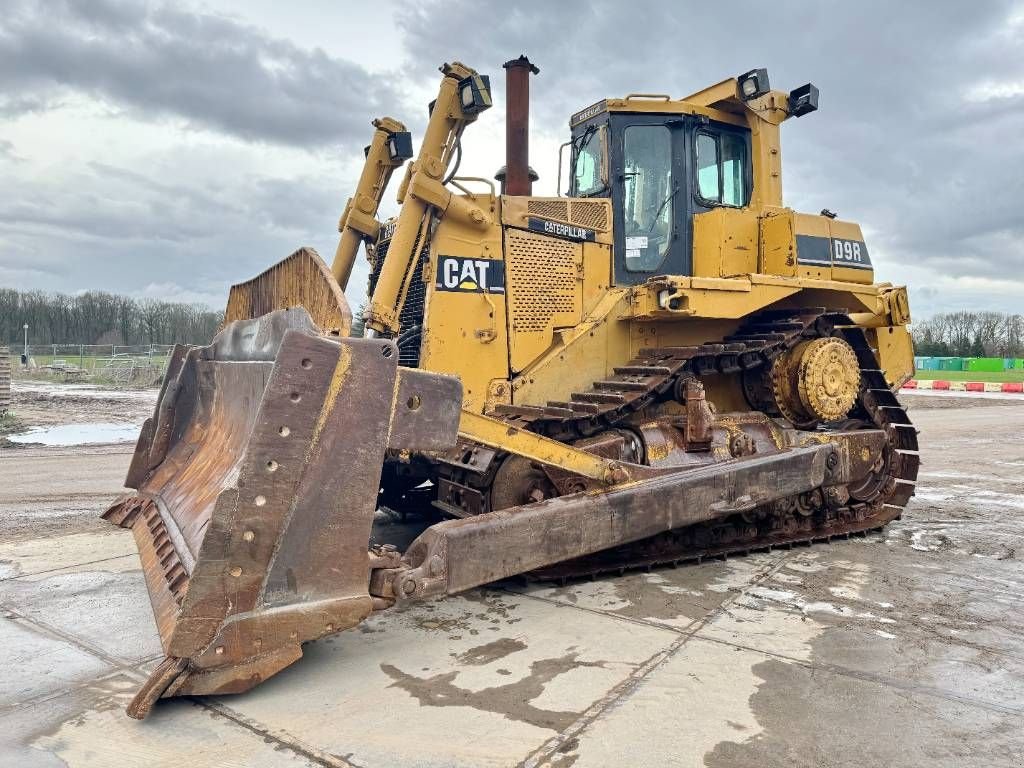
(718, 102)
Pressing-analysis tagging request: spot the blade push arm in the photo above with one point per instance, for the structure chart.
(463, 95)
(390, 148)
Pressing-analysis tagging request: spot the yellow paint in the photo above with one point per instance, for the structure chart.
(561, 323)
(498, 434)
(338, 377)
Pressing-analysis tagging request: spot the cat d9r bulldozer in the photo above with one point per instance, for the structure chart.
(660, 365)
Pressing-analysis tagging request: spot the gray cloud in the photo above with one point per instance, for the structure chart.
(211, 71)
(906, 141)
(916, 139)
(108, 227)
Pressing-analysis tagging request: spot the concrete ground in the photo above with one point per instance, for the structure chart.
(901, 649)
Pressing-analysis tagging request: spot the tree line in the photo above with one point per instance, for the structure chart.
(96, 317)
(970, 334)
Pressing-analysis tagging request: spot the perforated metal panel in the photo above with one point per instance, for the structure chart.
(592, 214)
(542, 278)
(549, 209)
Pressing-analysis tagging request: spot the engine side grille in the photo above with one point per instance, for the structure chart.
(543, 290)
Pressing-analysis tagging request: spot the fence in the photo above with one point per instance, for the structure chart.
(116, 363)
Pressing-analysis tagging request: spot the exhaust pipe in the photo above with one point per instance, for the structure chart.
(517, 176)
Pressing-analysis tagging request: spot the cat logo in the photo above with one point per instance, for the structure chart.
(468, 275)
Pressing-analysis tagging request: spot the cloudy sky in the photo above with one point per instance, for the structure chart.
(170, 149)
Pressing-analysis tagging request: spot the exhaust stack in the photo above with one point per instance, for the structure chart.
(517, 176)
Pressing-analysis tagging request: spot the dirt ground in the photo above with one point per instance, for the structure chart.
(905, 648)
(41, 403)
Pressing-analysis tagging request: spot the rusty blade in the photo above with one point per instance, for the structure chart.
(256, 486)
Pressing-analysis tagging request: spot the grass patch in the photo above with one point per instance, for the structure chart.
(10, 423)
(998, 377)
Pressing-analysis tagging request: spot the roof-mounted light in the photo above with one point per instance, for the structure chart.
(753, 84)
(803, 100)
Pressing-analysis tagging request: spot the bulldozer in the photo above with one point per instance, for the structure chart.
(659, 364)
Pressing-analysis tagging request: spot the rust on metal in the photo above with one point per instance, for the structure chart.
(253, 523)
(301, 280)
(518, 176)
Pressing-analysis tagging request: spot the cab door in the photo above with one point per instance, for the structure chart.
(650, 197)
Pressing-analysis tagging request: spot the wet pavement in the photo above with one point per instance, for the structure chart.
(904, 648)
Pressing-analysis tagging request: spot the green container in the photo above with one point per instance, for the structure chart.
(987, 364)
(951, 363)
(1018, 362)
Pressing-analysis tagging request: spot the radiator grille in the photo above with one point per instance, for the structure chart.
(410, 320)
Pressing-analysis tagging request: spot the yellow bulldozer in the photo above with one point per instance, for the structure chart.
(660, 364)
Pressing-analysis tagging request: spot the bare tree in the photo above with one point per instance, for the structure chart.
(96, 317)
(971, 334)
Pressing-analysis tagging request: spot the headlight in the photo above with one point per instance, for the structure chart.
(803, 100)
(753, 84)
(399, 146)
(475, 94)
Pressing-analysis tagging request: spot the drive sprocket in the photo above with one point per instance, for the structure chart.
(817, 380)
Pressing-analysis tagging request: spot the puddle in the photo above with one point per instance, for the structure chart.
(89, 391)
(79, 434)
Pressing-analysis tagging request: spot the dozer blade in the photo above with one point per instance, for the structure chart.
(256, 483)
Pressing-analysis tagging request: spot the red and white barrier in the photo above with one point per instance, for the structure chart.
(1015, 387)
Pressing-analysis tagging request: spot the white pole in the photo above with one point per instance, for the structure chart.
(26, 343)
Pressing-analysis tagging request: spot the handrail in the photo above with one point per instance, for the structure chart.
(454, 181)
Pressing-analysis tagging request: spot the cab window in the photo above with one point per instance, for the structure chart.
(648, 190)
(721, 168)
(588, 178)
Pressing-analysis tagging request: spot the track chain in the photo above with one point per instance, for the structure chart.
(655, 375)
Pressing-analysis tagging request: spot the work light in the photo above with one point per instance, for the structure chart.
(399, 146)
(753, 84)
(803, 100)
(475, 94)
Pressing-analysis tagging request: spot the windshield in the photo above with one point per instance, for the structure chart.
(649, 193)
(587, 176)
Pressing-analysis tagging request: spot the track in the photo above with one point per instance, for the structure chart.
(658, 374)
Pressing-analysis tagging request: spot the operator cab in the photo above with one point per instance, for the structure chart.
(660, 169)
